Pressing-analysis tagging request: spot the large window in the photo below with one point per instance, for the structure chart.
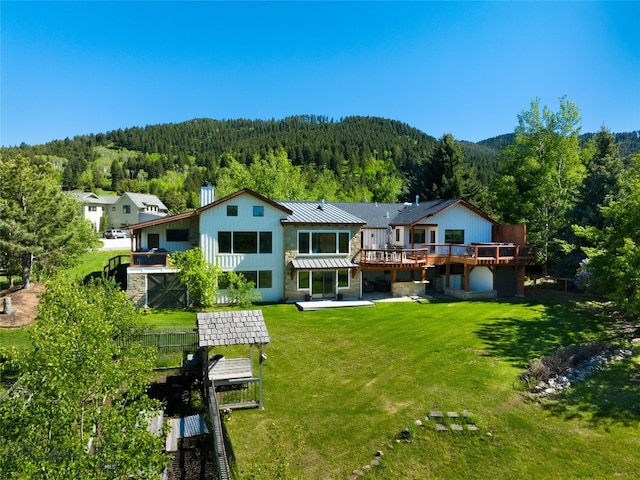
(324, 277)
(126, 209)
(303, 280)
(178, 235)
(454, 236)
(323, 243)
(260, 279)
(245, 242)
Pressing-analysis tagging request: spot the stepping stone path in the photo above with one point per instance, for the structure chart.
(452, 421)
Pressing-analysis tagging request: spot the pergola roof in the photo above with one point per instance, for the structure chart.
(243, 327)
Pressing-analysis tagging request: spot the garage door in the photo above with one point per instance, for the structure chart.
(165, 291)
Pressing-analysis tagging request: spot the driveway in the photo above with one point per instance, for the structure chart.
(115, 244)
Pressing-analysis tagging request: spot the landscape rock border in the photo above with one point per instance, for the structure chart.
(557, 383)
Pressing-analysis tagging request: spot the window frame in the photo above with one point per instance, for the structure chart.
(310, 242)
(449, 232)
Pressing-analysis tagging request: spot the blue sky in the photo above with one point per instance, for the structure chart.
(466, 68)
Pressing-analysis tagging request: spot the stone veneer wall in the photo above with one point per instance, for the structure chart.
(291, 292)
(408, 289)
(137, 289)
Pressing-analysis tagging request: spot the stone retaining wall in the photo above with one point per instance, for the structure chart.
(409, 289)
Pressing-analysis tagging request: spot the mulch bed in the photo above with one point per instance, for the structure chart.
(194, 459)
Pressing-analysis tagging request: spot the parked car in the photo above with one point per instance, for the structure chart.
(115, 233)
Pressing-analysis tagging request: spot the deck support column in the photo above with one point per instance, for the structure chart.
(393, 275)
(520, 280)
(447, 272)
(467, 273)
(260, 360)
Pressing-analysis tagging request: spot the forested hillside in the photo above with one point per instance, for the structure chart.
(350, 159)
(575, 192)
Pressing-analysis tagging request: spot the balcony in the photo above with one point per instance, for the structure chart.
(442, 254)
(158, 257)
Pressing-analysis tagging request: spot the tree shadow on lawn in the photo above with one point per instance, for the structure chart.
(609, 397)
(555, 324)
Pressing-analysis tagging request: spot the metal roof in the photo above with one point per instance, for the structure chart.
(322, 263)
(318, 213)
(141, 200)
(377, 215)
(414, 213)
(243, 327)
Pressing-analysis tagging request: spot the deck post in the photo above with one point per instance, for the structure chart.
(447, 272)
(520, 280)
(467, 273)
(260, 360)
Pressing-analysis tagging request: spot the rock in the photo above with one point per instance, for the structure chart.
(379, 453)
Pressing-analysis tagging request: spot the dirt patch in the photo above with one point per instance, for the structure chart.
(24, 303)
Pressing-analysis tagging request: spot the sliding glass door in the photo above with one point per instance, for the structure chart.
(323, 284)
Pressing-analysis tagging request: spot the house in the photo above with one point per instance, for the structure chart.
(449, 244)
(120, 211)
(131, 208)
(92, 207)
(296, 250)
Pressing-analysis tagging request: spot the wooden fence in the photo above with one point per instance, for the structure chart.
(168, 340)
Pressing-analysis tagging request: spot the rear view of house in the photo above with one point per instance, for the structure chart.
(295, 250)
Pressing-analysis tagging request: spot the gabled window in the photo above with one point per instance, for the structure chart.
(258, 211)
(126, 209)
(232, 210)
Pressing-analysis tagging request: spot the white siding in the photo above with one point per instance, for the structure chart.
(374, 237)
(476, 228)
(480, 279)
(215, 219)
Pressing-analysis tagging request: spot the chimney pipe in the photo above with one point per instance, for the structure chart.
(417, 197)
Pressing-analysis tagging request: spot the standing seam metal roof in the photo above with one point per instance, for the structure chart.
(319, 212)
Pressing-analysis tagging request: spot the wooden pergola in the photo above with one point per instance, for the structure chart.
(221, 329)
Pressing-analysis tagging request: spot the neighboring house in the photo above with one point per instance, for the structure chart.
(93, 207)
(131, 208)
(301, 250)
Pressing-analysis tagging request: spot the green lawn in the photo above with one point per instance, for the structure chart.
(352, 379)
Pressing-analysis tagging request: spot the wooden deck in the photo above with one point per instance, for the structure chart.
(230, 369)
(442, 254)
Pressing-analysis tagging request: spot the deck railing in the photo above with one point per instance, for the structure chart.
(149, 259)
(432, 253)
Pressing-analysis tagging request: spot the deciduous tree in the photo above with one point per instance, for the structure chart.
(540, 173)
(79, 409)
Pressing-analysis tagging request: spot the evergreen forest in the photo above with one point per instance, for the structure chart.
(547, 173)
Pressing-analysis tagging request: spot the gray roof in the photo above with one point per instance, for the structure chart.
(244, 327)
(319, 213)
(141, 200)
(87, 197)
(377, 215)
(414, 213)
